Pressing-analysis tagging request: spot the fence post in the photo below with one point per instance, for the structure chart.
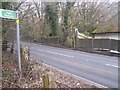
(45, 79)
(76, 39)
(109, 45)
(51, 79)
(12, 48)
(92, 44)
(48, 80)
(24, 60)
(28, 53)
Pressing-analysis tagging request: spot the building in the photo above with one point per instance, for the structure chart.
(107, 35)
(81, 35)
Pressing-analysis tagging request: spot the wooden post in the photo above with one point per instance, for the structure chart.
(25, 53)
(45, 80)
(12, 48)
(109, 45)
(51, 80)
(48, 80)
(76, 39)
(28, 53)
(21, 51)
(24, 59)
(92, 44)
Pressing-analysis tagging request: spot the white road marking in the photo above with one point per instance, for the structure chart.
(112, 65)
(85, 54)
(57, 53)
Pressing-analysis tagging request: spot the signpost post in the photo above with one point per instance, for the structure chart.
(14, 15)
(18, 45)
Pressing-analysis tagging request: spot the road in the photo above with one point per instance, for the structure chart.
(98, 68)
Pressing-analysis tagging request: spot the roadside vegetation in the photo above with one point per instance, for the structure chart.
(42, 21)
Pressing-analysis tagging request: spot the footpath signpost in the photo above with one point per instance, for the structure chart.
(14, 15)
(8, 14)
